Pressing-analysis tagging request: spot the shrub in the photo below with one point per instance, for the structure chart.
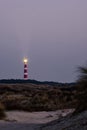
(2, 111)
(82, 90)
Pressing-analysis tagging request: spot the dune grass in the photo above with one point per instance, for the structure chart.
(2, 111)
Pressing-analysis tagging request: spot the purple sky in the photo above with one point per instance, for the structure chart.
(51, 33)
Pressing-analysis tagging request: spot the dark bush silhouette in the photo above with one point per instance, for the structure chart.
(2, 111)
(82, 90)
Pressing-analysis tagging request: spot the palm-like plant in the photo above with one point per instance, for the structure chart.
(83, 76)
(82, 89)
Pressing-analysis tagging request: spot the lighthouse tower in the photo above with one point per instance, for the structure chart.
(25, 68)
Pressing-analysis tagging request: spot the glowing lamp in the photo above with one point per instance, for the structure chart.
(25, 60)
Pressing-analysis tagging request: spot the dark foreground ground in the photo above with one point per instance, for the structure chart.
(18, 126)
(76, 122)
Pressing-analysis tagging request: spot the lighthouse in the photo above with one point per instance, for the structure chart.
(25, 68)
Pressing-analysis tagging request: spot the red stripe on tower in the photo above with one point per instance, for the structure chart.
(25, 68)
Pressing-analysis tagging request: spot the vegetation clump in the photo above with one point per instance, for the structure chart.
(82, 90)
(2, 111)
(34, 97)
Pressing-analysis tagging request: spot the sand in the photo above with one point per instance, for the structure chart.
(36, 117)
(20, 120)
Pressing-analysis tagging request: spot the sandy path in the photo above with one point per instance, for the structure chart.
(30, 120)
(36, 117)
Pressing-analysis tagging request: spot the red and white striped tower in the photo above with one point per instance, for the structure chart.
(25, 68)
